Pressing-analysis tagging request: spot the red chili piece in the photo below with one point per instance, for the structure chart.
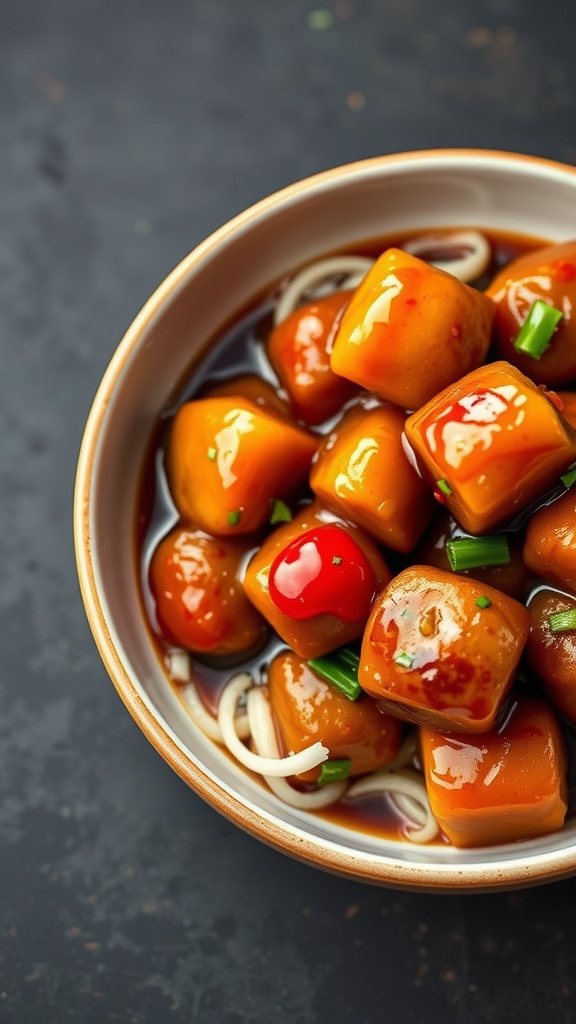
(323, 572)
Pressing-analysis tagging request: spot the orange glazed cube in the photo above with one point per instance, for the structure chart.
(495, 441)
(548, 274)
(314, 580)
(307, 708)
(299, 349)
(228, 459)
(254, 388)
(411, 329)
(568, 409)
(550, 547)
(504, 785)
(552, 656)
(200, 601)
(432, 655)
(362, 473)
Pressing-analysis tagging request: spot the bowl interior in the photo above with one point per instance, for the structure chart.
(331, 211)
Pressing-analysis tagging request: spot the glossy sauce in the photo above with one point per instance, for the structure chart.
(239, 350)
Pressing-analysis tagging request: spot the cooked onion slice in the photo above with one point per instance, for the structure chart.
(403, 783)
(303, 761)
(204, 720)
(465, 254)
(264, 737)
(318, 279)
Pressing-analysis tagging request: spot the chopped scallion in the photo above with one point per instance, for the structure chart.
(561, 622)
(234, 517)
(537, 330)
(280, 512)
(404, 659)
(341, 669)
(211, 454)
(444, 487)
(473, 552)
(569, 477)
(483, 601)
(334, 771)
(349, 658)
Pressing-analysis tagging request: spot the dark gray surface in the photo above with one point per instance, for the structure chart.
(129, 130)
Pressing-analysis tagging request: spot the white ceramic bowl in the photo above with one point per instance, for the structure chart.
(330, 211)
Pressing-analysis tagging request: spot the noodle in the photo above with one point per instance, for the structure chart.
(472, 253)
(401, 783)
(205, 721)
(264, 737)
(303, 761)
(403, 786)
(308, 283)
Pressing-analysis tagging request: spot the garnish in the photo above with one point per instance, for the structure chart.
(474, 552)
(537, 330)
(444, 487)
(569, 477)
(483, 601)
(336, 559)
(234, 517)
(341, 669)
(211, 453)
(404, 659)
(561, 622)
(280, 512)
(334, 771)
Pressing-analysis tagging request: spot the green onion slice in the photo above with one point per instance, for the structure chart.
(561, 622)
(569, 477)
(341, 669)
(537, 330)
(404, 659)
(211, 453)
(234, 517)
(483, 601)
(280, 512)
(474, 552)
(334, 771)
(444, 487)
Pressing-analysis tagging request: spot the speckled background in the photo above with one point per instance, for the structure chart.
(128, 131)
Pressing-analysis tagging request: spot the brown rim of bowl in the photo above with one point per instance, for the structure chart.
(448, 878)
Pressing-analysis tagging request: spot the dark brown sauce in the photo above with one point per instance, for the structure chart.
(238, 349)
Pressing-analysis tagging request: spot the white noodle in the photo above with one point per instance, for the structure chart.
(468, 267)
(264, 737)
(179, 665)
(206, 722)
(406, 753)
(404, 787)
(403, 783)
(407, 804)
(303, 761)
(308, 283)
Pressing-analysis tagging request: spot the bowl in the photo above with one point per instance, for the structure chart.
(332, 210)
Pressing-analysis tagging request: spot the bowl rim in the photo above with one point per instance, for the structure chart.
(523, 871)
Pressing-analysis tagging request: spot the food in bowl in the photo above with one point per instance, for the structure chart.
(289, 512)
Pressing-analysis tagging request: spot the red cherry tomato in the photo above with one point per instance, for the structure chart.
(323, 572)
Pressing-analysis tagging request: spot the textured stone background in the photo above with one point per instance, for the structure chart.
(128, 131)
